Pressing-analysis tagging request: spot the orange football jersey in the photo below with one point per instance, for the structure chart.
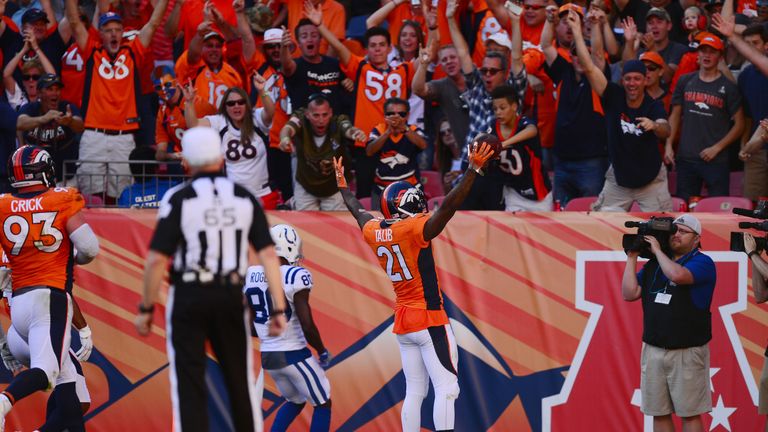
(109, 101)
(210, 86)
(170, 126)
(35, 237)
(373, 87)
(73, 72)
(408, 261)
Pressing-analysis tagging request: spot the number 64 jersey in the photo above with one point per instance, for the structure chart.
(294, 279)
(408, 261)
(35, 236)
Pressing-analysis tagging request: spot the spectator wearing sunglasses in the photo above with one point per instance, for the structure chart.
(654, 66)
(395, 145)
(31, 70)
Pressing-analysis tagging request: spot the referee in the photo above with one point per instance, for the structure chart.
(207, 226)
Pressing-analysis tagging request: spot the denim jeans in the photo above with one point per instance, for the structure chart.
(692, 174)
(574, 179)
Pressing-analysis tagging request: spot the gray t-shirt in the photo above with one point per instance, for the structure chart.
(448, 96)
(707, 109)
(671, 54)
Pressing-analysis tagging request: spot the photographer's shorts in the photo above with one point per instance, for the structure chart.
(675, 381)
(762, 406)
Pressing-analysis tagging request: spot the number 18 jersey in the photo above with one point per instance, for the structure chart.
(35, 236)
(408, 261)
(294, 279)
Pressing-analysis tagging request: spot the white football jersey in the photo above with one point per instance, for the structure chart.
(246, 164)
(294, 280)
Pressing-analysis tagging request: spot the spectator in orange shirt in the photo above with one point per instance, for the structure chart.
(397, 13)
(170, 124)
(109, 103)
(333, 13)
(534, 14)
(187, 15)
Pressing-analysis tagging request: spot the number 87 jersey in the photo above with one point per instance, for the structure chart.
(35, 236)
(294, 279)
(408, 261)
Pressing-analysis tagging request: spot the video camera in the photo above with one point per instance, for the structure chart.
(760, 212)
(660, 228)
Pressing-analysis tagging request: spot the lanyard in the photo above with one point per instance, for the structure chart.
(687, 257)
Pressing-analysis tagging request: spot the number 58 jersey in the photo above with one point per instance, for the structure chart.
(35, 236)
(294, 279)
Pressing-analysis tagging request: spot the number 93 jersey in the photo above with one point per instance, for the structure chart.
(408, 261)
(294, 279)
(246, 161)
(35, 236)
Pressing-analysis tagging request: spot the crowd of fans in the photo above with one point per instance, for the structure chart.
(588, 98)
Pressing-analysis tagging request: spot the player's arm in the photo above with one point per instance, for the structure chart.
(83, 238)
(83, 330)
(478, 156)
(261, 241)
(304, 312)
(315, 14)
(146, 33)
(353, 205)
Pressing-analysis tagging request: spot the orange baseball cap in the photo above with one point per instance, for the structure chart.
(711, 41)
(570, 7)
(653, 57)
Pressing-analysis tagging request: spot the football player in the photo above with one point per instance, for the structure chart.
(286, 358)
(41, 226)
(402, 242)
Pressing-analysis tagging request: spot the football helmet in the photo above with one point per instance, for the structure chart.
(31, 165)
(287, 243)
(401, 200)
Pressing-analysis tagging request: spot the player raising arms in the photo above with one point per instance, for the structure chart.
(402, 241)
(41, 226)
(286, 358)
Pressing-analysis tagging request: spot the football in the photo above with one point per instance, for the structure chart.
(491, 140)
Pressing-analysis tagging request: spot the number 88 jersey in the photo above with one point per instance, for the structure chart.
(294, 279)
(35, 237)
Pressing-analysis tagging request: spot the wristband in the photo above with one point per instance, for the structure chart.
(749, 255)
(276, 312)
(143, 309)
(432, 28)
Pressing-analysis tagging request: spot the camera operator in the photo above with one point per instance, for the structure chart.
(760, 285)
(676, 293)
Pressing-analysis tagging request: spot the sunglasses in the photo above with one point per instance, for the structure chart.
(402, 114)
(239, 102)
(271, 46)
(30, 77)
(534, 7)
(489, 71)
(652, 68)
(165, 86)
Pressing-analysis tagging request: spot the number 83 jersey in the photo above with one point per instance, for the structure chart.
(35, 236)
(294, 279)
(408, 261)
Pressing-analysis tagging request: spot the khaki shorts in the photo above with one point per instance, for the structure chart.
(675, 381)
(762, 406)
(756, 176)
(651, 198)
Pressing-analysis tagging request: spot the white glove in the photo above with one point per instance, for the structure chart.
(9, 360)
(86, 344)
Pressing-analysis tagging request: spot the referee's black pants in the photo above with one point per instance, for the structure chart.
(216, 313)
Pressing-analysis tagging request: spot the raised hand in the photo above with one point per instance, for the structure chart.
(648, 42)
(286, 41)
(189, 92)
(646, 124)
(574, 22)
(725, 26)
(66, 118)
(630, 29)
(259, 82)
(424, 56)
(313, 13)
(551, 13)
(450, 9)
(338, 167)
(357, 134)
(238, 6)
(479, 155)
(430, 15)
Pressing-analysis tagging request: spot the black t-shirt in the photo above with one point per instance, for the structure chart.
(520, 165)
(52, 46)
(634, 153)
(310, 78)
(60, 141)
(577, 115)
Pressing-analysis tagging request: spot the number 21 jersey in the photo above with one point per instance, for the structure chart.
(408, 261)
(35, 236)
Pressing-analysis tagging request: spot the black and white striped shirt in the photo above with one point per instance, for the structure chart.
(207, 224)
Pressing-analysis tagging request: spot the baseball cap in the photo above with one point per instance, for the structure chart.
(500, 38)
(634, 66)
(200, 146)
(273, 36)
(33, 15)
(690, 221)
(109, 17)
(653, 57)
(658, 13)
(711, 41)
(213, 34)
(570, 7)
(48, 80)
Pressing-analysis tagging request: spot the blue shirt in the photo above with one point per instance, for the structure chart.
(7, 135)
(704, 274)
(754, 86)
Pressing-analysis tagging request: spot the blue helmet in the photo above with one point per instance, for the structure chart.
(401, 200)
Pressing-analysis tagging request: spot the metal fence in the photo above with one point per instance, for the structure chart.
(136, 183)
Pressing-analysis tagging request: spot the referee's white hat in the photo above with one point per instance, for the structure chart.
(201, 146)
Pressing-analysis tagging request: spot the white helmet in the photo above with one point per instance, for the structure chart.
(201, 146)
(287, 242)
